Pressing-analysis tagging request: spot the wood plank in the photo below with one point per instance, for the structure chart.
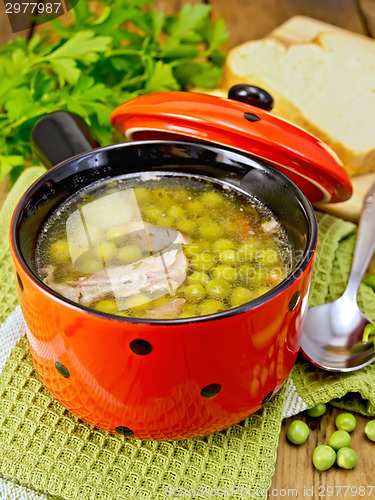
(252, 19)
(351, 209)
(301, 29)
(6, 32)
(295, 471)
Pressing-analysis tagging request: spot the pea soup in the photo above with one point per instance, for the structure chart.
(162, 246)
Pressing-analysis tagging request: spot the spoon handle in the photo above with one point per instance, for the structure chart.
(365, 245)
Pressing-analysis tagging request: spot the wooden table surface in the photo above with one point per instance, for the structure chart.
(295, 476)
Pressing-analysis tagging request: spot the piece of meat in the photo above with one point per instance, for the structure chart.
(271, 226)
(156, 275)
(171, 308)
(65, 290)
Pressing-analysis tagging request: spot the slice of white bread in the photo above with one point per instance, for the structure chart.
(326, 86)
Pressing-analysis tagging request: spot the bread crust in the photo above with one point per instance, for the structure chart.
(248, 63)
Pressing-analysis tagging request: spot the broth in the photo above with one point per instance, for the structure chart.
(162, 246)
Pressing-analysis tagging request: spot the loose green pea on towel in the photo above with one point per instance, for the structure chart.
(46, 452)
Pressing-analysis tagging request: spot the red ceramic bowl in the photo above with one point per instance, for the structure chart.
(163, 379)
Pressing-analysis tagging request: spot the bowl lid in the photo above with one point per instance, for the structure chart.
(305, 159)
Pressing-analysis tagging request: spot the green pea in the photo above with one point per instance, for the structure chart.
(218, 289)
(106, 250)
(346, 458)
(186, 226)
(116, 233)
(108, 306)
(137, 302)
(129, 253)
(228, 257)
(204, 219)
(225, 272)
(210, 306)
(60, 250)
(165, 220)
(370, 430)
(240, 295)
(339, 439)
(188, 311)
(210, 231)
(153, 213)
(176, 212)
(198, 277)
(297, 432)
(369, 331)
(276, 275)
(204, 245)
(212, 198)
(194, 293)
(317, 411)
(268, 257)
(91, 266)
(204, 261)
(195, 207)
(345, 422)
(259, 276)
(162, 197)
(260, 290)
(142, 194)
(249, 250)
(196, 247)
(223, 244)
(324, 457)
(245, 273)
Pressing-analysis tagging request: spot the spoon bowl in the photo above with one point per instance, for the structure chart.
(332, 333)
(337, 346)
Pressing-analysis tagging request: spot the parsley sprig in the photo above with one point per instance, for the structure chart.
(100, 60)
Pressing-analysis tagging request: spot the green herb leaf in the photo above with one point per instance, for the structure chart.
(66, 70)
(370, 281)
(161, 78)
(19, 103)
(196, 75)
(84, 46)
(120, 51)
(217, 35)
(8, 163)
(190, 19)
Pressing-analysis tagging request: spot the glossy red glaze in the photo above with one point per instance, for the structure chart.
(239, 357)
(310, 163)
(158, 395)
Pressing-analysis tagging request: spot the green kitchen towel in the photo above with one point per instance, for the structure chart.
(46, 452)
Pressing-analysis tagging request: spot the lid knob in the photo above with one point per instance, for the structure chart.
(250, 94)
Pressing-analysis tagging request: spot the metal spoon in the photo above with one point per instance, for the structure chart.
(332, 333)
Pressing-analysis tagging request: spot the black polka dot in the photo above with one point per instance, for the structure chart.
(294, 301)
(19, 281)
(140, 347)
(251, 117)
(267, 398)
(211, 390)
(124, 431)
(64, 372)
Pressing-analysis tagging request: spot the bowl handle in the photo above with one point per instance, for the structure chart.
(60, 135)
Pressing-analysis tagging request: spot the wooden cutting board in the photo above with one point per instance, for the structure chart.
(301, 29)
